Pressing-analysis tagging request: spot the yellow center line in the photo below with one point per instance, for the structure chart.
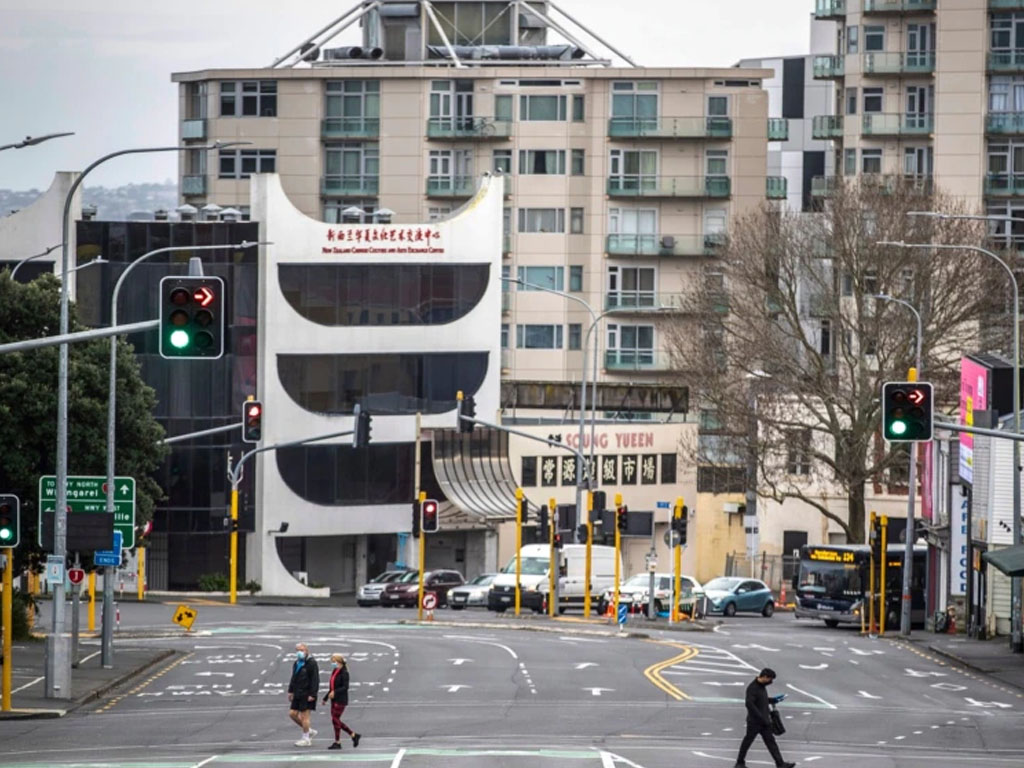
(653, 672)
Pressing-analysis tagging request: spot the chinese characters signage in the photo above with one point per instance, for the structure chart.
(385, 239)
(626, 469)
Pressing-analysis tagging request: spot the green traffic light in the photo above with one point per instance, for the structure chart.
(898, 428)
(6, 534)
(179, 339)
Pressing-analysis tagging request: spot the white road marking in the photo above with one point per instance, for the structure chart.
(454, 688)
(211, 674)
(867, 695)
(987, 704)
(28, 685)
(597, 691)
(583, 639)
(729, 683)
(210, 759)
(398, 758)
(460, 662)
(811, 695)
(823, 648)
(755, 646)
(949, 687)
(585, 664)
(483, 642)
(823, 665)
(914, 673)
(619, 759)
(812, 758)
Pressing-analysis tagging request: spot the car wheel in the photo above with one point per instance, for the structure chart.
(658, 607)
(768, 610)
(457, 607)
(500, 609)
(831, 623)
(730, 609)
(602, 606)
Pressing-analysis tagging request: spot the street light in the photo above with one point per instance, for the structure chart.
(106, 646)
(908, 548)
(30, 258)
(31, 141)
(58, 666)
(98, 260)
(1016, 643)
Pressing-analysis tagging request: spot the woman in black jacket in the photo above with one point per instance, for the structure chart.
(337, 692)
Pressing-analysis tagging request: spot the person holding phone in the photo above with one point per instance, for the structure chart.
(759, 719)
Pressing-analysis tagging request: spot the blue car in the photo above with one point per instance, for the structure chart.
(729, 594)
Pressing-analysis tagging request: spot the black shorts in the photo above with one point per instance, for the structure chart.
(301, 706)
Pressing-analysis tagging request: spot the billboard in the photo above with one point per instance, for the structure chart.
(973, 397)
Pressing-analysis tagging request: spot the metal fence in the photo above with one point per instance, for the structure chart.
(773, 570)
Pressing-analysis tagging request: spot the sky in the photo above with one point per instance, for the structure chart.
(102, 68)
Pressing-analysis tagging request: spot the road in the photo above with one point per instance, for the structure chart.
(471, 691)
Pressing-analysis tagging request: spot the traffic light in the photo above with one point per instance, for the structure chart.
(252, 421)
(558, 541)
(622, 518)
(907, 409)
(430, 523)
(581, 534)
(679, 526)
(10, 530)
(361, 438)
(191, 318)
(416, 519)
(467, 410)
(542, 521)
(600, 502)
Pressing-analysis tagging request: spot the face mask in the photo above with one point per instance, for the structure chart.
(300, 655)
(337, 665)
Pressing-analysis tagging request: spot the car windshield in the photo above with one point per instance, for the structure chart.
(483, 579)
(387, 576)
(721, 585)
(407, 577)
(531, 566)
(640, 580)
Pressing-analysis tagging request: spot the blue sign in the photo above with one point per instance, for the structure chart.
(623, 613)
(663, 505)
(110, 557)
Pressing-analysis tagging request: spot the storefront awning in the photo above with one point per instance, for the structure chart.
(1009, 560)
(474, 472)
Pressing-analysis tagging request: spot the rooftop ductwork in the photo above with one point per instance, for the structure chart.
(352, 52)
(507, 52)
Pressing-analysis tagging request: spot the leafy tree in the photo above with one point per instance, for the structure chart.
(786, 348)
(28, 408)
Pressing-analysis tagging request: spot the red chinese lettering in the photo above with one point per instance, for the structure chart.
(330, 234)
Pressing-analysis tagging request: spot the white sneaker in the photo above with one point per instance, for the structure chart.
(313, 732)
(304, 742)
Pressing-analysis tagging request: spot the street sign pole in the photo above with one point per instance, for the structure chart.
(5, 696)
(107, 632)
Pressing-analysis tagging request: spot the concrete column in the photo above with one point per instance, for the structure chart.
(361, 569)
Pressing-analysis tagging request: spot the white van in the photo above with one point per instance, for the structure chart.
(534, 579)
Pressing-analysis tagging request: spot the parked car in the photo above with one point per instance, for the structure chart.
(534, 578)
(729, 594)
(369, 593)
(471, 593)
(634, 591)
(406, 590)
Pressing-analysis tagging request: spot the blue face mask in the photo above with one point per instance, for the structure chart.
(337, 665)
(300, 655)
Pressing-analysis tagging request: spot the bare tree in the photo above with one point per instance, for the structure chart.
(786, 322)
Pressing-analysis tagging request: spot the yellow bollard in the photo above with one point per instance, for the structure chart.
(92, 601)
(141, 579)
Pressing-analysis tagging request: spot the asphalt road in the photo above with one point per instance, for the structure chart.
(493, 696)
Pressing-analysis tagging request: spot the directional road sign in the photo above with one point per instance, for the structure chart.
(88, 493)
(184, 616)
(110, 557)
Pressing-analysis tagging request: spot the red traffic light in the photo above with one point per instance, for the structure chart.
(916, 396)
(203, 296)
(254, 410)
(430, 521)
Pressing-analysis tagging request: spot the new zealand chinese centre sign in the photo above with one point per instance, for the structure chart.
(398, 240)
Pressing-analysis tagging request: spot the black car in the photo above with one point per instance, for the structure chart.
(406, 590)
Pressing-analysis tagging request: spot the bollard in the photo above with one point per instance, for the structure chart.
(117, 617)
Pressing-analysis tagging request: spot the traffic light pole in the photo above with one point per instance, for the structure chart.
(552, 560)
(6, 614)
(519, 547)
(618, 550)
(677, 568)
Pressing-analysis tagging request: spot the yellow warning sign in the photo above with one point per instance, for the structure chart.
(184, 616)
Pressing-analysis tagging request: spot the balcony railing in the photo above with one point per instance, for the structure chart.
(828, 67)
(898, 6)
(341, 184)
(893, 63)
(775, 187)
(1006, 5)
(468, 128)
(778, 129)
(1004, 184)
(886, 183)
(642, 301)
(827, 127)
(506, 244)
(1006, 123)
(451, 186)
(506, 302)
(193, 128)
(192, 186)
(632, 360)
(895, 124)
(829, 9)
(824, 186)
(668, 186)
(350, 128)
(1006, 61)
(664, 245)
(670, 128)
(506, 359)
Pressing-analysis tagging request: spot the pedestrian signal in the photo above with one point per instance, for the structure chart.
(191, 318)
(252, 421)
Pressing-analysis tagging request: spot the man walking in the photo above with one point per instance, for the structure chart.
(759, 719)
(302, 691)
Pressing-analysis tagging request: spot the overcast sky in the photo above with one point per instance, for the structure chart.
(102, 68)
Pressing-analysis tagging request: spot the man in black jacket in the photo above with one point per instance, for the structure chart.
(302, 692)
(759, 719)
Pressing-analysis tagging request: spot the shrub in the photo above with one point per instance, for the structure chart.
(252, 586)
(214, 582)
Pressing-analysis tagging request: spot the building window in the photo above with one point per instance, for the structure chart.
(438, 212)
(241, 163)
(337, 475)
(1006, 93)
(635, 103)
(575, 335)
(503, 108)
(718, 162)
(718, 106)
(849, 162)
(248, 98)
(542, 277)
(502, 161)
(356, 101)
(504, 335)
(851, 101)
(668, 469)
(634, 169)
(798, 451)
(872, 100)
(539, 336)
(542, 220)
(631, 287)
(338, 210)
(874, 38)
(542, 161)
(825, 338)
(352, 167)
(631, 344)
(535, 107)
(195, 100)
(577, 108)
(577, 162)
(851, 39)
(528, 474)
(871, 161)
(576, 221)
(576, 279)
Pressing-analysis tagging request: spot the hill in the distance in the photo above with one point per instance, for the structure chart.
(112, 203)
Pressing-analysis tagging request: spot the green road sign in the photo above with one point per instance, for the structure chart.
(88, 493)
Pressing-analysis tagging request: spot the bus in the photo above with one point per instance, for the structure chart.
(832, 584)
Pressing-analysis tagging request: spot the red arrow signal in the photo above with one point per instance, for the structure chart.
(203, 296)
(916, 396)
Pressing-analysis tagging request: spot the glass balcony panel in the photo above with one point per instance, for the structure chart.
(631, 360)
(670, 128)
(775, 187)
(668, 186)
(895, 124)
(1004, 184)
(468, 128)
(193, 129)
(1006, 61)
(451, 186)
(893, 63)
(350, 128)
(829, 9)
(827, 127)
(343, 184)
(824, 186)
(193, 185)
(663, 245)
(898, 6)
(1006, 5)
(826, 67)
(778, 129)
(1005, 122)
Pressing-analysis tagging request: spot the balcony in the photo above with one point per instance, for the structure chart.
(642, 301)
(1004, 185)
(895, 124)
(775, 187)
(669, 186)
(664, 245)
(350, 128)
(627, 360)
(778, 129)
(829, 67)
(1005, 123)
(1006, 61)
(824, 186)
(506, 359)
(193, 129)
(506, 244)
(506, 302)
(670, 128)
(468, 128)
(1006, 5)
(355, 185)
(827, 127)
(912, 63)
(451, 186)
(830, 9)
(898, 6)
(193, 186)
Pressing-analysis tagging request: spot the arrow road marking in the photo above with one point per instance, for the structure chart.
(597, 691)
(914, 673)
(585, 664)
(460, 662)
(867, 695)
(756, 647)
(949, 687)
(987, 704)
(454, 688)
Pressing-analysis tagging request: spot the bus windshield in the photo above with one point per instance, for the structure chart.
(836, 581)
(531, 566)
